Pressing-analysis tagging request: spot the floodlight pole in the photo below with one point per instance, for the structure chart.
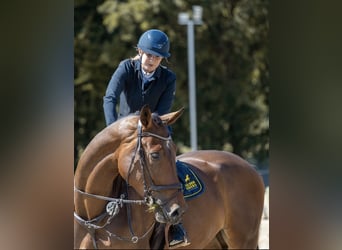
(183, 19)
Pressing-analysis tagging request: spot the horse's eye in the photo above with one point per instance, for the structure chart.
(155, 155)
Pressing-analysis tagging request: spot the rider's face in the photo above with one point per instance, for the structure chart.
(149, 62)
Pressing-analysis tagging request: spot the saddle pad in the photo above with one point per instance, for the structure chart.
(192, 185)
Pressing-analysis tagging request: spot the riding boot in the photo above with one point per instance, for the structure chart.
(177, 236)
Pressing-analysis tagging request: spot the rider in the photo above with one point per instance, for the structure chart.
(143, 80)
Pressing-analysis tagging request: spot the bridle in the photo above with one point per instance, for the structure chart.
(114, 204)
(148, 189)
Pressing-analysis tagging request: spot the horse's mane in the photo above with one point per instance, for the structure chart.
(119, 131)
(124, 126)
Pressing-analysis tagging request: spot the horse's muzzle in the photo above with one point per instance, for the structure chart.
(172, 215)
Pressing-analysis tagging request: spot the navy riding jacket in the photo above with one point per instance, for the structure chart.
(134, 91)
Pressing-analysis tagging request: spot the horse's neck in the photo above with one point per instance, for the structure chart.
(96, 170)
(99, 182)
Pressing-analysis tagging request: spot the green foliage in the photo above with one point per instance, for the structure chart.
(232, 74)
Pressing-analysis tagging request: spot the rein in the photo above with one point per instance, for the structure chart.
(114, 204)
(120, 201)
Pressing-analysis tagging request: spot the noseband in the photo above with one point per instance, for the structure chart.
(114, 205)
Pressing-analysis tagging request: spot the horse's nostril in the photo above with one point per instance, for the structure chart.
(174, 214)
(174, 211)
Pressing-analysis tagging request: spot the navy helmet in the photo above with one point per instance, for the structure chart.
(155, 42)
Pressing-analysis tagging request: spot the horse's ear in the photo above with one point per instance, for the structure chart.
(145, 115)
(171, 118)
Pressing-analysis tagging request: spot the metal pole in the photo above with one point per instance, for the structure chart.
(192, 87)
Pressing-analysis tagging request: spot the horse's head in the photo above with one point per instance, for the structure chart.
(151, 168)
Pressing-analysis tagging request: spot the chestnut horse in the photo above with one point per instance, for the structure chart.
(226, 215)
(125, 173)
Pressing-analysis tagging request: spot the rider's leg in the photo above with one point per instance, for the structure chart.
(178, 236)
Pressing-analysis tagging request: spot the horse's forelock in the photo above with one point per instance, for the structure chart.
(156, 119)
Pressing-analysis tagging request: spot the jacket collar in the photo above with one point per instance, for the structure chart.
(137, 67)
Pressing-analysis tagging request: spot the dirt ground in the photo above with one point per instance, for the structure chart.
(264, 234)
(264, 227)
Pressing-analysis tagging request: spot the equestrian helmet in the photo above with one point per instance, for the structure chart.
(155, 42)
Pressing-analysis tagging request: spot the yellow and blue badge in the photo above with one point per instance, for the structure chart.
(192, 184)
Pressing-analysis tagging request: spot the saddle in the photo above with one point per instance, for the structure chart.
(192, 184)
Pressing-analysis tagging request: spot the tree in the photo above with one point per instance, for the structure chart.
(231, 68)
